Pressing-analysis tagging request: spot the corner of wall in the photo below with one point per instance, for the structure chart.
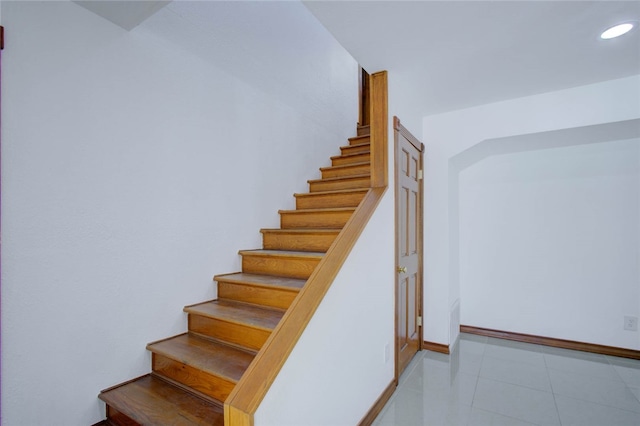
(454, 322)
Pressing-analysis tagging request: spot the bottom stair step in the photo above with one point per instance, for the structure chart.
(150, 400)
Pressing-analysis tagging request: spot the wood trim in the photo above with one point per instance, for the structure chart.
(379, 129)
(396, 238)
(397, 125)
(236, 417)
(245, 398)
(378, 405)
(436, 347)
(550, 341)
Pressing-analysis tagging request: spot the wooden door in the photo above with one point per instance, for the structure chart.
(408, 165)
(364, 98)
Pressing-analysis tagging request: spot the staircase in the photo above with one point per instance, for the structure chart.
(193, 373)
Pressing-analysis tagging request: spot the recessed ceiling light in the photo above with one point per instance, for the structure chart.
(617, 30)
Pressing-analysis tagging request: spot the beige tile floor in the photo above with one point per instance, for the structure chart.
(488, 381)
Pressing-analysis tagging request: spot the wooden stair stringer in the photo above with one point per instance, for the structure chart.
(254, 384)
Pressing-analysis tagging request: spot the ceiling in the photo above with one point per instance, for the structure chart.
(127, 14)
(458, 54)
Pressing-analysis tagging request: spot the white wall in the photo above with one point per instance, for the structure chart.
(447, 137)
(549, 242)
(133, 169)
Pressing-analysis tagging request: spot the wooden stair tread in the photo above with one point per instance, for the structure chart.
(349, 155)
(279, 262)
(339, 178)
(338, 191)
(349, 170)
(303, 230)
(310, 237)
(356, 139)
(150, 400)
(207, 355)
(262, 280)
(238, 313)
(283, 253)
(328, 210)
(331, 197)
(356, 145)
(346, 166)
(359, 148)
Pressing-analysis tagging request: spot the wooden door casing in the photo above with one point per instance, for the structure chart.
(408, 153)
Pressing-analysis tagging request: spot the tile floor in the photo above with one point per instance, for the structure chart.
(487, 381)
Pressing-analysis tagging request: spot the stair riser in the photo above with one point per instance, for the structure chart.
(342, 160)
(363, 130)
(117, 418)
(208, 384)
(315, 219)
(335, 185)
(279, 266)
(252, 338)
(275, 298)
(319, 242)
(361, 169)
(362, 138)
(329, 200)
(355, 149)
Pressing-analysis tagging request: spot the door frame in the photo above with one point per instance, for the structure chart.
(401, 131)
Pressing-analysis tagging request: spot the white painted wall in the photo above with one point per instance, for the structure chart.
(549, 242)
(133, 169)
(448, 136)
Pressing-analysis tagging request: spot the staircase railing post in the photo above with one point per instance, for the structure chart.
(379, 129)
